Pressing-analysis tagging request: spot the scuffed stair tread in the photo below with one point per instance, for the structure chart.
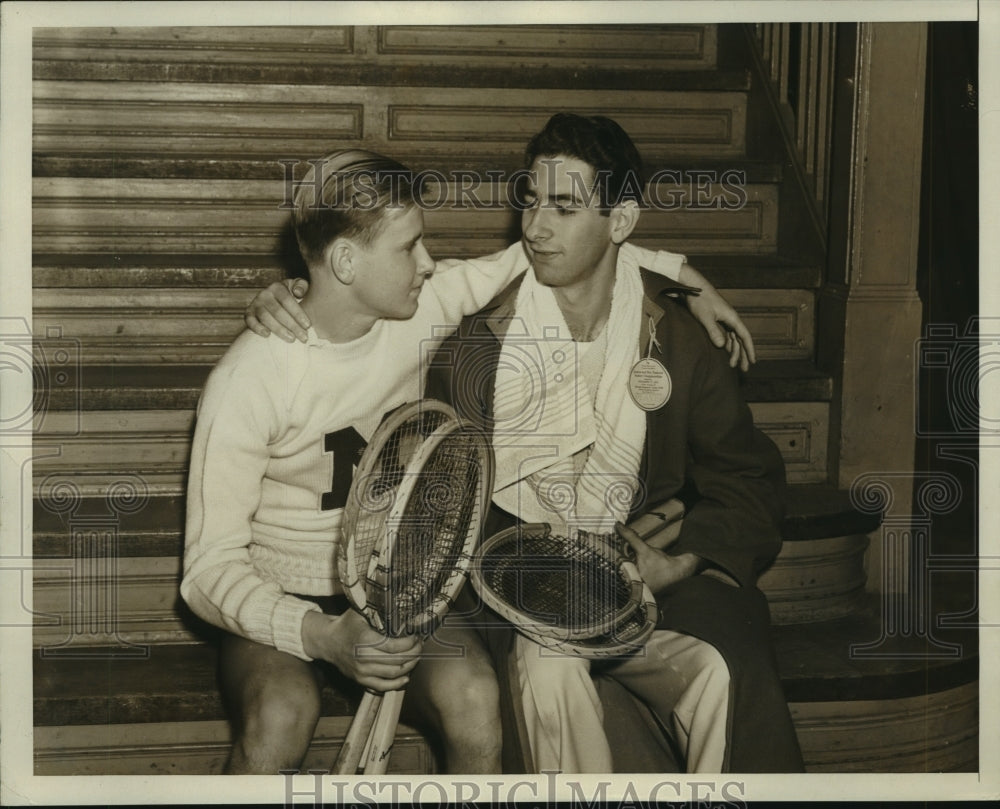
(176, 683)
(817, 665)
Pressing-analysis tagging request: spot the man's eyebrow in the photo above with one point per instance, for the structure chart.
(571, 198)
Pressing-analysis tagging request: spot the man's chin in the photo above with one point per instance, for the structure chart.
(545, 274)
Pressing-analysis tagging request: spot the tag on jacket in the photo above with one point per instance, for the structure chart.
(649, 384)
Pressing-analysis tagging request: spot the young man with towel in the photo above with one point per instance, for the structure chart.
(638, 407)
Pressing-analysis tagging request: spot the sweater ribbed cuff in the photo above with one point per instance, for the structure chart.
(286, 625)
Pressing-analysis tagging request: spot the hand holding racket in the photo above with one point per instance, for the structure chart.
(581, 595)
(412, 518)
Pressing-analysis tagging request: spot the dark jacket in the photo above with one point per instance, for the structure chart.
(701, 447)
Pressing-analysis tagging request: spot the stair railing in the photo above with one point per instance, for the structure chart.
(800, 60)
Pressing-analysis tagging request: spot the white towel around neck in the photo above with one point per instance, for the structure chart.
(544, 414)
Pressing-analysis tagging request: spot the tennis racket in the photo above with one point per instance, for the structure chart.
(580, 595)
(412, 518)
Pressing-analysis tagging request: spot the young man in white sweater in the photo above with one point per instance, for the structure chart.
(280, 426)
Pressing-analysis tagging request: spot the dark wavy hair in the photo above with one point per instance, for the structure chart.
(603, 145)
(347, 193)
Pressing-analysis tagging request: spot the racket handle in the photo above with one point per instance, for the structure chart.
(384, 733)
(667, 515)
(352, 750)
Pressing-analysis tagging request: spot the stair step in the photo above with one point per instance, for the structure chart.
(813, 511)
(762, 271)
(257, 270)
(179, 119)
(818, 510)
(322, 72)
(168, 387)
(150, 270)
(194, 325)
(172, 682)
(376, 55)
(267, 167)
(815, 661)
(234, 216)
(786, 381)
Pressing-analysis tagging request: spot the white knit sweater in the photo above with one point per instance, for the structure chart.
(269, 418)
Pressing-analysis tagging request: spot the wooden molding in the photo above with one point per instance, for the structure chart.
(679, 47)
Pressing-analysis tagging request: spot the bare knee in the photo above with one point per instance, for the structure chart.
(276, 728)
(469, 701)
(282, 711)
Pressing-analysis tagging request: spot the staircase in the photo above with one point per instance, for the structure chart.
(157, 216)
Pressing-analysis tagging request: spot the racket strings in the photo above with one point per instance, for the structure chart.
(377, 488)
(430, 546)
(566, 582)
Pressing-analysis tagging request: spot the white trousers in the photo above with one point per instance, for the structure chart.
(682, 680)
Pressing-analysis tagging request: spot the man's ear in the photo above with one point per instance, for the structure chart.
(340, 260)
(624, 218)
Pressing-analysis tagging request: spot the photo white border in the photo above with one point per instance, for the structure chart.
(20, 786)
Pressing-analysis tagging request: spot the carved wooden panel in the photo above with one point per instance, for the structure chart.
(234, 121)
(668, 46)
(782, 321)
(799, 429)
(286, 43)
(224, 120)
(673, 47)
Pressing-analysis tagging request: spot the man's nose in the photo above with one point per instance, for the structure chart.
(535, 225)
(425, 264)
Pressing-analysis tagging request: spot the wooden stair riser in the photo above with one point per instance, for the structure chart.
(799, 429)
(193, 748)
(230, 217)
(90, 601)
(933, 733)
(78, 600)
(195, 325)
(90, 598)
(93, 448)
(287, 121)
(816, 580)
(680, 47)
